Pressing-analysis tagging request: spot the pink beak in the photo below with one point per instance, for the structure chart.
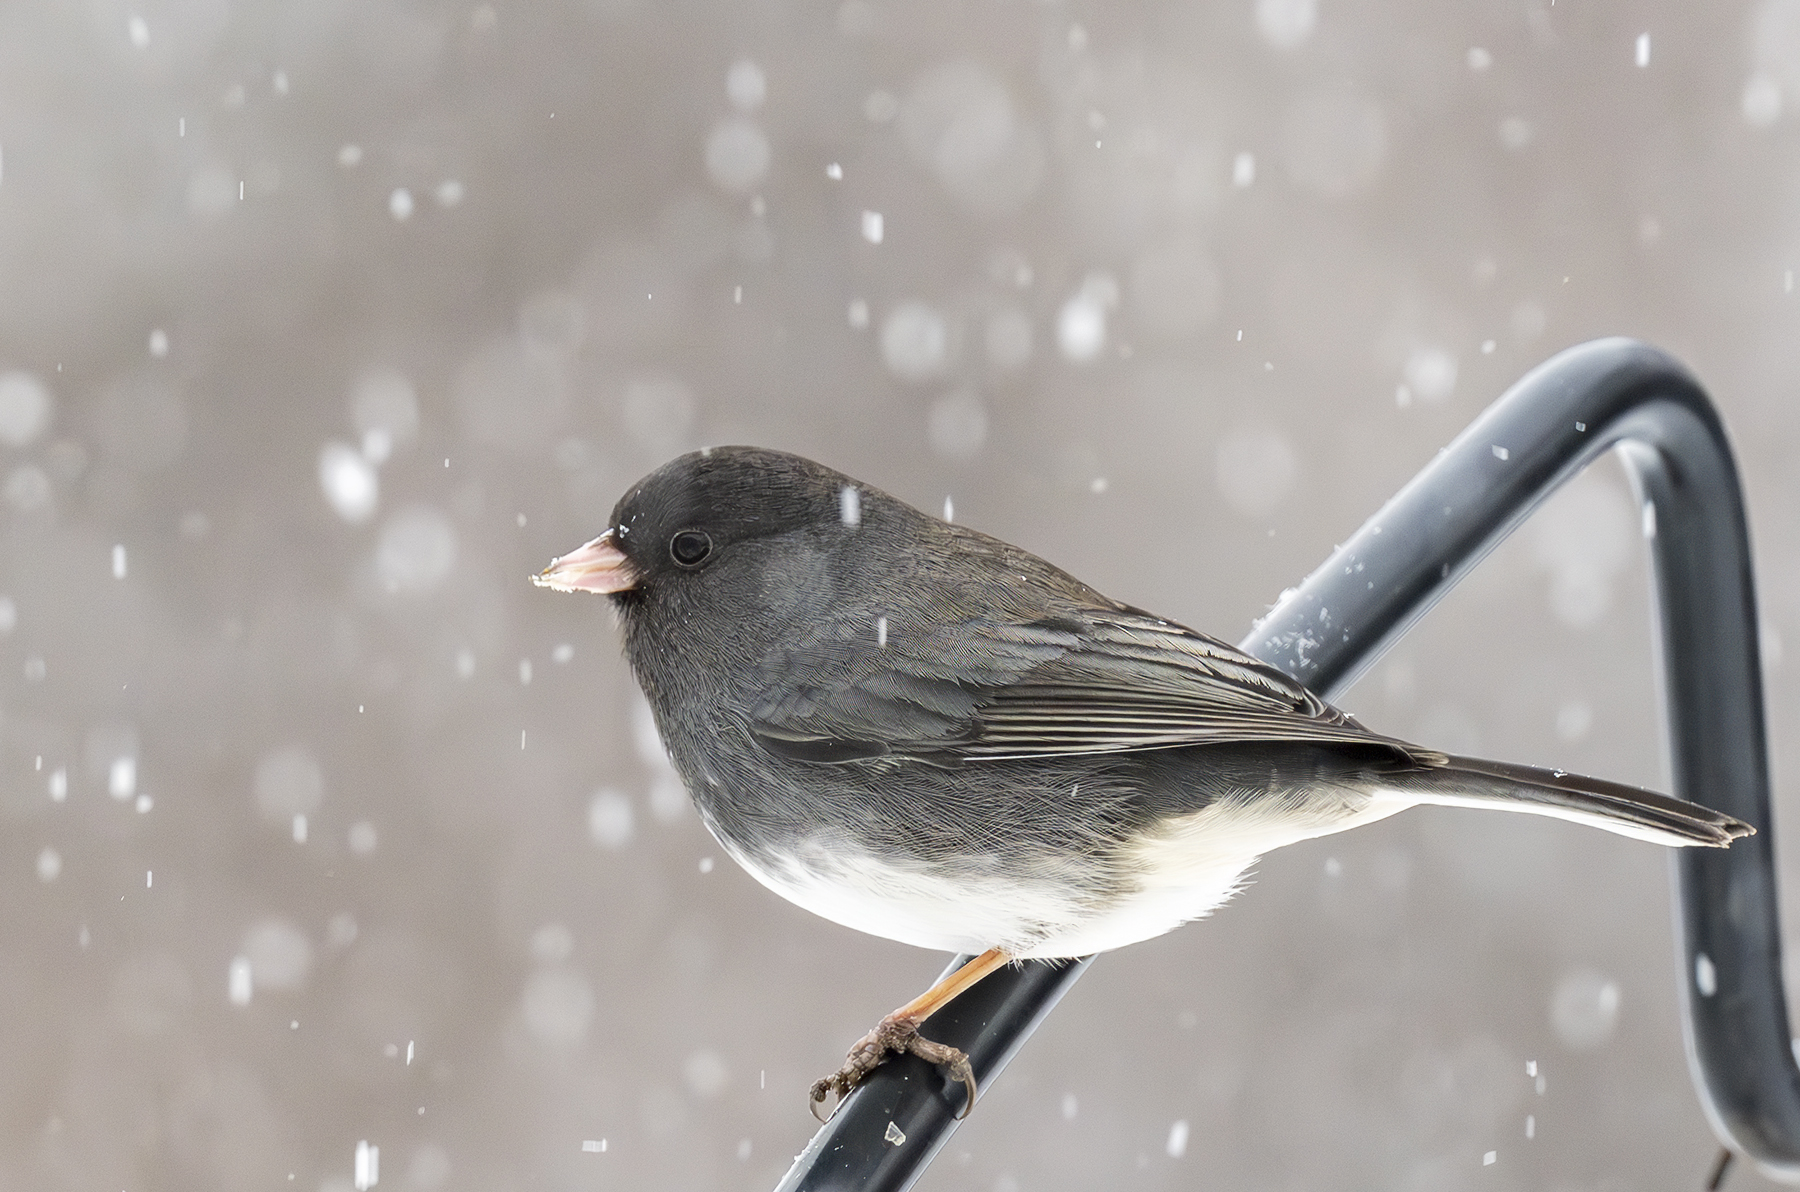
(598, 566)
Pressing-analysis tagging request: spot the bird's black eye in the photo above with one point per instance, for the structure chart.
(690, 548)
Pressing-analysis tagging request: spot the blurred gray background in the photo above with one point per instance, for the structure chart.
(323, 325)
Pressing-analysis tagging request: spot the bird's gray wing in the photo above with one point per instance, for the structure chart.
(852, 690)
(1086, 681)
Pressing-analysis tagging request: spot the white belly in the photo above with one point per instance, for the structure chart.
(969, 908)
(1195, 862)
(1179, 872)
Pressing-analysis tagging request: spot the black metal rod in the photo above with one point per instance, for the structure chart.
(1545, 429)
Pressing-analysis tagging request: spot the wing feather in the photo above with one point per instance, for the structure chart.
(1088, 681)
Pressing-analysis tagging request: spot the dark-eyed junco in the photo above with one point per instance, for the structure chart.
(921, 732)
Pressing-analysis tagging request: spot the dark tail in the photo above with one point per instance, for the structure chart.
(1626, 810)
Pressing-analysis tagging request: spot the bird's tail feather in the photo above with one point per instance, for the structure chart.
(1626, 810)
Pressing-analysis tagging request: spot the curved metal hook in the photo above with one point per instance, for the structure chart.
(1554, 422)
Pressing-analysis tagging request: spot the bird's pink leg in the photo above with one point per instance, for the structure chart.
(899, 1032)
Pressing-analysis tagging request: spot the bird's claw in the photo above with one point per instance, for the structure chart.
(953, 1060)
(817, 1098)
(892, 1034)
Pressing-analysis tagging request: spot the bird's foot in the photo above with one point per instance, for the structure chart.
(896, 1033)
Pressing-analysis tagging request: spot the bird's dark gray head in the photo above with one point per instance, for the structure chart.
(717, 515)
(731, 544)
(707, 510)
